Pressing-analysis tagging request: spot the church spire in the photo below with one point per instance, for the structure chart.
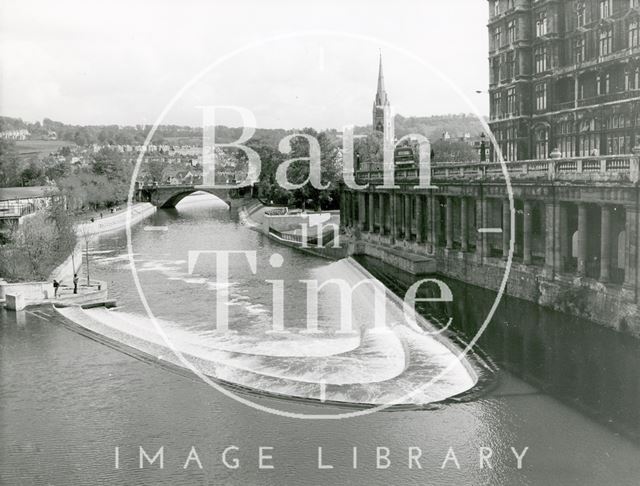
(381, 94)
(382, 117)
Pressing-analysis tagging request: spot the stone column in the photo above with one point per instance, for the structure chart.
(526, 247)
(382, 218)
(464, 225)
(506, 228)
(419, 220)
(605, 242)
(582, 239)
(449, 222)
(564, 239)
(372, 212)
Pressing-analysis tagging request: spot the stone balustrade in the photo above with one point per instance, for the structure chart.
(609, 168)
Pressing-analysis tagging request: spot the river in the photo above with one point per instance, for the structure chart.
(566, 389)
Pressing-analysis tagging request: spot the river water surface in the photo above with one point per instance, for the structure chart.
(566, 390)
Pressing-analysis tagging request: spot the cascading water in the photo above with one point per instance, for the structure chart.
(371, 365)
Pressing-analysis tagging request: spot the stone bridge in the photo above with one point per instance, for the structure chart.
(167, 196)
(577, 226)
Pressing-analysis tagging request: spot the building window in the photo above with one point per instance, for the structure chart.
(496, 8)
(497, 105)
(636, 81)
(627, 80)
(618, 140)
(510, 64)
(541, 59)
(542, 143)
(510, 148)
(566, 138)
(511, 101)
(603, 84)
(589, 139)
(495, 71)
(541, 24)
(541, 96)
(634, 33)
(581, 13)
(497, 38)
(605, 9)
(606, 41)
(634, 3)
(511, 31)
(579, 51)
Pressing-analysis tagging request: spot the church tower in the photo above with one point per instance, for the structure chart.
(382, 121)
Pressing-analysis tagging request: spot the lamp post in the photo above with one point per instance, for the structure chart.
(483, 148)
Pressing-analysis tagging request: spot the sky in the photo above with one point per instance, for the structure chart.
(296, 63)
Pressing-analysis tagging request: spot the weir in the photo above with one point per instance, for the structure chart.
(403, 363)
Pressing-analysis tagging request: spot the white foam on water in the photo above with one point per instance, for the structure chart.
(371, 365)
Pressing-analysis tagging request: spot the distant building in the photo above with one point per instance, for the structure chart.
(21, 134)
(565, 75)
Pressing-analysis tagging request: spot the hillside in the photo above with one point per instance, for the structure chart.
(430, 126)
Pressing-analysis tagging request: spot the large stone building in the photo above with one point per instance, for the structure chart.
(565, 75)
(564, 231)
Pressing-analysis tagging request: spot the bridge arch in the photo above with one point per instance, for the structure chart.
(169, 196)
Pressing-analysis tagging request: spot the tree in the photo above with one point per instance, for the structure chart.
(155, 168)
(446, 151)
(10, 165)
(32, 174)
(369, 149)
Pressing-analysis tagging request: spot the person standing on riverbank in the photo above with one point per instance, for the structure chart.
(75, 283)
(56, 286)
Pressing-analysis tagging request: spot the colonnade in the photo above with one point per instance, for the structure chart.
(596, 240)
